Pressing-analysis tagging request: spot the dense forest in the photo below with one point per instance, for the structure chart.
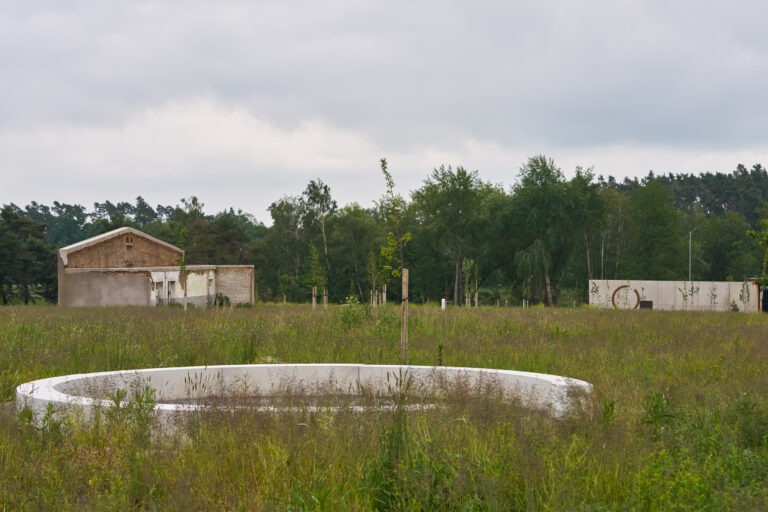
(540, 240)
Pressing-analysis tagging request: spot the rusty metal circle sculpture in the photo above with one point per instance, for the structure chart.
(616, 291)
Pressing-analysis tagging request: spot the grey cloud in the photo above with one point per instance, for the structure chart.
(409, 76)
(506, 71)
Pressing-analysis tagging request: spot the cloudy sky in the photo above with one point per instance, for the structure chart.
(242, 102)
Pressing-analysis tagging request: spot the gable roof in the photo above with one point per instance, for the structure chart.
(88, 242)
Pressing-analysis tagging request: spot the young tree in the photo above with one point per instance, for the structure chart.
(317, 207)
(393, 206)
(316, 278)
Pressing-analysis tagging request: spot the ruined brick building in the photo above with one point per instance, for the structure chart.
(128, 267)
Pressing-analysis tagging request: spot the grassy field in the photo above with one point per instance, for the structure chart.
(678, 419)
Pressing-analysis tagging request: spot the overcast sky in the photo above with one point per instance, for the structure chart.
(243, 102)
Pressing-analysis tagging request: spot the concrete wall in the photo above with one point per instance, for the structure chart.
(201, 286)
(155, 286)
(236, 282)
(197, 287)
(125, 251)
(675, 295)
(104, 288)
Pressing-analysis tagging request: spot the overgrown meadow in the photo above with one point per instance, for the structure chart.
(678, 419)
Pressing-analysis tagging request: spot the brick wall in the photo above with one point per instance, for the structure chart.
(236, 282)
(124, 252)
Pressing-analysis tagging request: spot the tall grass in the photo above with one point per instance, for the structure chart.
(678, 419)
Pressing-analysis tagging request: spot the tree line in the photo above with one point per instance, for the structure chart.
(462, 238)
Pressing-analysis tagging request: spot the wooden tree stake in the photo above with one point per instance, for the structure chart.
(404, 319)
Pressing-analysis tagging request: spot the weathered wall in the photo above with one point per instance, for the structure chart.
(236, 282)
(168, 286)
(104, 288)
(62, 286)
(201, 287)
(675, 295)
(125, 251)
(155, 286)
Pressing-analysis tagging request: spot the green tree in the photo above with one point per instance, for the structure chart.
(531, 265)
(107, 216)
(64, 224)
(317, 207)
(550, 220)
(448, 210)
(316, 278)
(613, 234)
(286, 246)
(589, 214)
(232, 237)
(501, 242)
(657, 241)
(393, 207)
(726, 248)
(8, 247)
(186, 226)
(353, 235)
(143, 213)
(29, 262)
(761, 237)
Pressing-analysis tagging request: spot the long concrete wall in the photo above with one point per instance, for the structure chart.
(104, 288)
(155, 286)
(675, 295)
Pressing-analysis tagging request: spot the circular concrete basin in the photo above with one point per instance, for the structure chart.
(181, 390)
